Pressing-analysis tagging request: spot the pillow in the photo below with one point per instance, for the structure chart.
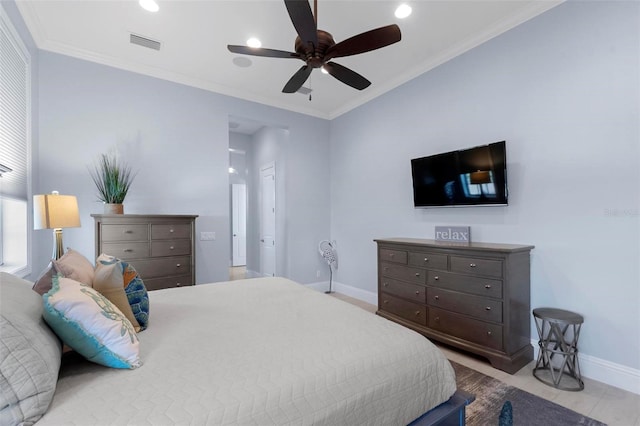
(90, 324)
(43, 284)
(119, 282)
(29, 354)
(75, 266)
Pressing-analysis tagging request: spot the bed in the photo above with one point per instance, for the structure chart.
(257, 352)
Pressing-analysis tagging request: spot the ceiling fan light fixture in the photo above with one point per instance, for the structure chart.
(254, 42)
(149, 5)
(403, 11)
(324, 71)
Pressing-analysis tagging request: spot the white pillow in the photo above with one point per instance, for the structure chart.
(90, 324)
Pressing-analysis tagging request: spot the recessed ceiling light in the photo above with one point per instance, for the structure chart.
(149, 5)
(403, 11)
(254, 42)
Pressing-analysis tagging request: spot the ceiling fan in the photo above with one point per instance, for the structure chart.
(317, 48)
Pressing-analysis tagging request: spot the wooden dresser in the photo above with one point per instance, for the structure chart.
(474, 297)
(160, 247)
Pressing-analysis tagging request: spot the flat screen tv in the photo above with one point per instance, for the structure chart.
(468, 177)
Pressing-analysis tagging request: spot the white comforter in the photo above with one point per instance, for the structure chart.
(259, 352)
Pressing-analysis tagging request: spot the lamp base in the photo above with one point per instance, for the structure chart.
(58, 248)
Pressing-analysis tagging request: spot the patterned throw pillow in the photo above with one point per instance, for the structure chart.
(90, 324)
(119, 282)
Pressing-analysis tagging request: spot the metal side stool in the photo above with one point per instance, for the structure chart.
(557, 363)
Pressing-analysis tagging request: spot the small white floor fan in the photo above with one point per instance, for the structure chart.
(328, 252)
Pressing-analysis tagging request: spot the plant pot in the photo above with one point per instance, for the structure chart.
(113, 208)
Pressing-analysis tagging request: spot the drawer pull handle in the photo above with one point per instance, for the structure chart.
(488, 308)
(178, 265)
(436, 297)
(417, 292)
(437, 319)
(487, 286)
(385, 301)
(128, 250)
(128, 231)
(391, 254)
(385, 269)
(472, 265)
(436, 278)
(171, 231)
(178, 284)
(488, 333)
(171, 248)
(385, 284)
(426, 259)
(417, 313)
(417, 274)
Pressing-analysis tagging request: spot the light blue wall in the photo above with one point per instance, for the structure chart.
(177, 139)
(563, 91)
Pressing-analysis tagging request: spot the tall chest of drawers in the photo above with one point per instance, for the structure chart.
(474, 297)
(160, 247)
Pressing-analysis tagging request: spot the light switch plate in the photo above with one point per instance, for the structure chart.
(207, 236)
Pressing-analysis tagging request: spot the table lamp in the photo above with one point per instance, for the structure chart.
(55, 211)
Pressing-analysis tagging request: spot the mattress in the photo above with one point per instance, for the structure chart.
(258, 352)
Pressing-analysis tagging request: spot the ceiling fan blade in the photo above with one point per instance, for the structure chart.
(365, 42)
(347, 76)
(303, 20)
(297, 80)
(258, 51)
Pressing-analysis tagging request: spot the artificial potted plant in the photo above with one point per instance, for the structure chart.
(113, 178)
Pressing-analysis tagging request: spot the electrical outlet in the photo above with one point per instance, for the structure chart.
(207, 236)
(318, 273)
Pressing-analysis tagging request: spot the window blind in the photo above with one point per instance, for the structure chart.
(14, 111)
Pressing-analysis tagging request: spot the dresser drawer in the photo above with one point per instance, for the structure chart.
(412, 292)
(407, 310)
(175, 231)
(132, 232)
(428, 260)
(464, 283)
(404, 273)
(170, 248)
(125, 251)
(162, 267)
(474, 306)
(395, 256)
(476, 331)
(476, 266)
(168, 282)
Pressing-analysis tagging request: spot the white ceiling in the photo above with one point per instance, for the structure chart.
(194, 36)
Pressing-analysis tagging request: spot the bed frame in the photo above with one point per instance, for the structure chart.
(449, 413)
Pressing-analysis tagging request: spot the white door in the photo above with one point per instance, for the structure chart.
(239, 223)
(268, 220)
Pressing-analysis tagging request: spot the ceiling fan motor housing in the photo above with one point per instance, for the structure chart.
(315, 57)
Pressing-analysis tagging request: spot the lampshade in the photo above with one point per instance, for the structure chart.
(52, 211)
(481, 176)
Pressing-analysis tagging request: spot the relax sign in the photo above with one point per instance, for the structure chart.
(453, 234)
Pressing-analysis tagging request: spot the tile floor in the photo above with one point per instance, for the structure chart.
(602, 402)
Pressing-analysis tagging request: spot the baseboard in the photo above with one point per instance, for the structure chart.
(347, 290)
(253, 274)
(604, 371)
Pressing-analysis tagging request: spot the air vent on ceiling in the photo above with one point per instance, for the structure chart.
(144, 42)
(304, 90)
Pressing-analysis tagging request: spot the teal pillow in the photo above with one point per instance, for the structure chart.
(90, 324)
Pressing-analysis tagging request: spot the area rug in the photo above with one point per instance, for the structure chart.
(528, 409)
